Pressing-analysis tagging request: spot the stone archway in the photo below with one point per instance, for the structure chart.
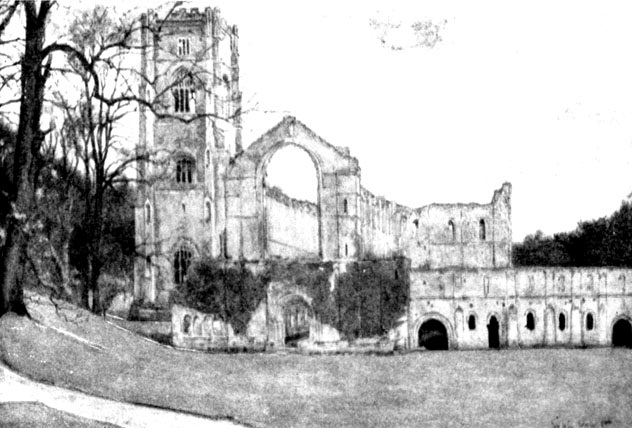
(297, 315)
(433, 335)
(264, 197)
(622, 333)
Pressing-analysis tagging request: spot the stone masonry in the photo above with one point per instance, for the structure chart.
(208, 195)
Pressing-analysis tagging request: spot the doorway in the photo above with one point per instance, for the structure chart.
(622, 334)
(433, 336)
(493, 333)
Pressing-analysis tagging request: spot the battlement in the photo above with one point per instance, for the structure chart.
(192, 14)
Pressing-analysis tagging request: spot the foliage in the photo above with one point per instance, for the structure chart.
(311, 277)
(370, 297)
(228, 290)
(606, 241)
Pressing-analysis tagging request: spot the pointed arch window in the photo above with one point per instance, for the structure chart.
(183, 93)
(181, 262)
(452, 227)
(482, 233)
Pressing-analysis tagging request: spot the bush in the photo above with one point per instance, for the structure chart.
(228, 290)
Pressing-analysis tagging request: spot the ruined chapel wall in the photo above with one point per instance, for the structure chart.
(462, 235)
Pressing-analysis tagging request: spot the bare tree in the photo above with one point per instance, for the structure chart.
(98, 57)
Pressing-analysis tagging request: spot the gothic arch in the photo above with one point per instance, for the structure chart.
(337, 178)
(260, 174)
(452, 344)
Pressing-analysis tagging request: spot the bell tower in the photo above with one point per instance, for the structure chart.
(188, 132)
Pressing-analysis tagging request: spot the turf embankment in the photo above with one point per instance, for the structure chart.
(529, 388)
(31, 415)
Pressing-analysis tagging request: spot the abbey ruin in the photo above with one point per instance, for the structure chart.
(212, 198)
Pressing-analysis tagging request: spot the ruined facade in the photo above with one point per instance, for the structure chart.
(210, 196)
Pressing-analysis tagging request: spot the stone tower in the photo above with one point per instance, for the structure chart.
(193, 61)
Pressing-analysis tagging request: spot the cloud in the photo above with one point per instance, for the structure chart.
(398, 36)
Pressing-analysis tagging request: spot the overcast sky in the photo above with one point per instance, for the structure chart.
(535, 93)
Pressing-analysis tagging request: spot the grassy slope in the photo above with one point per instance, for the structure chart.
(508, 388)
(26, 415)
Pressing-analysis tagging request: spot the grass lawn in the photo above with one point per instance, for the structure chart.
(528, 388)
(27, 415)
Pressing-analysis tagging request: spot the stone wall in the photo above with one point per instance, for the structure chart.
(292, 226)
(453, 296)
(461, 235)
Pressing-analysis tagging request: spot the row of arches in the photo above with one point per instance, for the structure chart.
(434, 334)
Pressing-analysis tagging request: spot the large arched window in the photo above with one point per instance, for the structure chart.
(183, 93)
(482, 233)
(452, 227)
(184, 170)
(181, 262)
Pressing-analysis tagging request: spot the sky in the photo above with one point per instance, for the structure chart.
(535, 93)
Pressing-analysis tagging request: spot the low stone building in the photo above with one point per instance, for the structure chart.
(211, 197)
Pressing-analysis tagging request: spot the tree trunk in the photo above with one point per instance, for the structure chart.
(27, 144)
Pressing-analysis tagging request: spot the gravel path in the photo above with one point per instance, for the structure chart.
(15, 388)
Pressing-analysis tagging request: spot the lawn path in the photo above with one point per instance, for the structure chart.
(15, 388)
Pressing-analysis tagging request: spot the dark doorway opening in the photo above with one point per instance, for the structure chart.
(493, 333)
(296, 318)
(622, 334)
(433, 336)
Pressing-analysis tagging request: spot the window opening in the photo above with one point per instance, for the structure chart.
(184, 47)
(181, 263)
(207, 211)
(148, 266)
(344, 206)
(590, 322)
(184, 94)
(481, 230)
(530, 321)
(562, 322)
(147, 213)
(184, 171)
(452, 230)
(471, 322)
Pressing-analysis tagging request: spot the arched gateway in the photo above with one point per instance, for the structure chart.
(622, 333)
(433, 336)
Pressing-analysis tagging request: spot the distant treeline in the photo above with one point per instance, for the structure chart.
(606, 241)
